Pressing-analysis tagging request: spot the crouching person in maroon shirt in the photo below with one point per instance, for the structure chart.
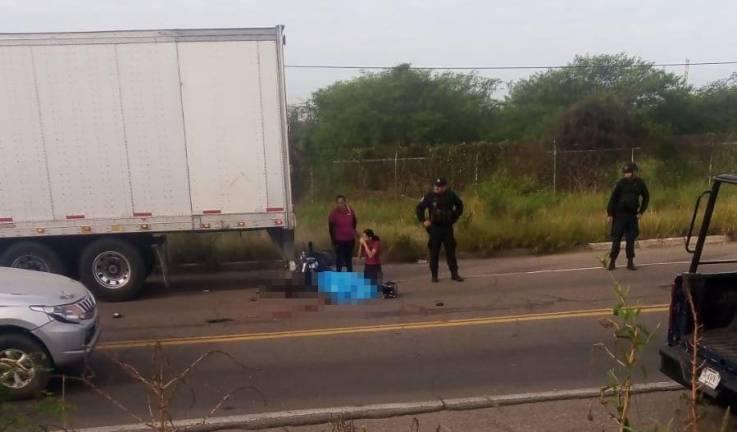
(371, 250)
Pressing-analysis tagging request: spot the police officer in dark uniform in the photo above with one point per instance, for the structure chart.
(438, 211)
(628, 202)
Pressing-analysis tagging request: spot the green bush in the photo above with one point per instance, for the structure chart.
(405, 249)
(518, 197)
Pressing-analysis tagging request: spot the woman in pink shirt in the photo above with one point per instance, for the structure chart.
(371, 250)
(342, 224)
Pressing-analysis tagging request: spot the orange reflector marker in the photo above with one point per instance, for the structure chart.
(40, 230)
(144, 226)
(205, 226)
(241, 224)
(86, 229)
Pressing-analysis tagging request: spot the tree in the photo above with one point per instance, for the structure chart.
(535, 106)
(299, 126)
(596, 122)
(717, 106)
(399, 107)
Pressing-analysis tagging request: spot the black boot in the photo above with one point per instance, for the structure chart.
(612, 264)
(456, 277)
(631, 264)
(435, 278)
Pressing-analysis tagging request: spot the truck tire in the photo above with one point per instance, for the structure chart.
(113, 269)
(25, 368)
(31, 255)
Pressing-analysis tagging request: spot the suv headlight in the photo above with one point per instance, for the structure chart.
(73, 313)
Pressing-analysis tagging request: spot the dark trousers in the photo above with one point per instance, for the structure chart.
(624, 225)
(344, 255)
(442, 236)
(372, 272)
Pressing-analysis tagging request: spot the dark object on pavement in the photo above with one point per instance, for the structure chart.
(312, 259)
(389, 290)
(302, 282)
(117, 315)
(312, 262)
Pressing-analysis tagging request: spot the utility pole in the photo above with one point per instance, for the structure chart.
(555, 166)
(685, 73)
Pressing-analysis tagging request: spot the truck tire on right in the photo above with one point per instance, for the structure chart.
(113, 269)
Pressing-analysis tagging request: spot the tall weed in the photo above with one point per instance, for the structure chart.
(505, 213)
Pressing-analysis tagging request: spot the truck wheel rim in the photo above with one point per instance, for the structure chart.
(112, 270)
(30, 262)
(17, 369)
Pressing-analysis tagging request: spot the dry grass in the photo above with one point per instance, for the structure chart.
(499, 216)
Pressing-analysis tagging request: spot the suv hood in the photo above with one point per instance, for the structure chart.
(25, 287)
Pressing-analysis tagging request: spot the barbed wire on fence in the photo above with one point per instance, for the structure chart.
(409, 170)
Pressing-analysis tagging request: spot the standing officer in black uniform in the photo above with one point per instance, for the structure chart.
(437, 212)
(624, 211)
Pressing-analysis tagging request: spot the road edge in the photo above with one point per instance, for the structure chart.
(662, 242)
(307, 417)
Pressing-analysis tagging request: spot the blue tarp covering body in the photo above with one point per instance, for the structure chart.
(346, 287)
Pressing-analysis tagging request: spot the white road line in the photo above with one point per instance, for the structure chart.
(567, 270)
(325, 415)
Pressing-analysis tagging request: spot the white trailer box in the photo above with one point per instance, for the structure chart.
(116, 136)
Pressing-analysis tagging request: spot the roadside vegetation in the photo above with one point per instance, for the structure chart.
(500, 215)
(381, 137)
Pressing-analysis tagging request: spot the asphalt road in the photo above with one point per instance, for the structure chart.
(518, 324)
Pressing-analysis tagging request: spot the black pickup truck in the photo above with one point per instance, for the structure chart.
(715, 300)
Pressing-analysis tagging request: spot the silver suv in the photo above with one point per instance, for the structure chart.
(47, 322)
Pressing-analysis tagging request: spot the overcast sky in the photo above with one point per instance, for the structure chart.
(425, 33)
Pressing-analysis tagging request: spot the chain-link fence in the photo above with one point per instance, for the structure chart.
(409, 171)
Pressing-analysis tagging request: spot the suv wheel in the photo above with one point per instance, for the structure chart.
(25, 368)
